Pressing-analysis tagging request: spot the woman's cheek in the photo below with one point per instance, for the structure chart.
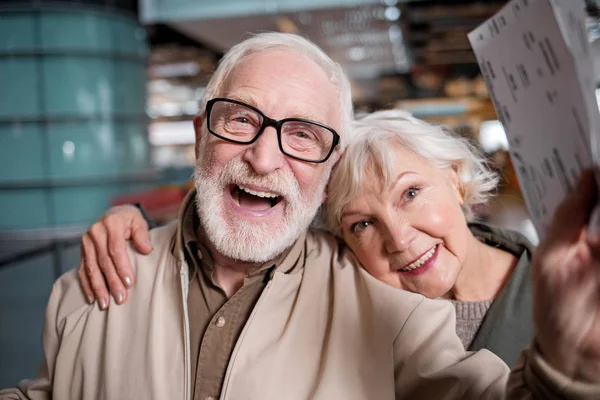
(438, 219)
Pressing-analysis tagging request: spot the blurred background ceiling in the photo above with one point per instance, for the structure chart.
(409, 54)
(391, 50)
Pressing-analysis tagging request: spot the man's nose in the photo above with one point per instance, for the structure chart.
(400, 235)
(264, 155)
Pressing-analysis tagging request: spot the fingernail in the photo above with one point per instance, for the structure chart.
(90, 300)
(103, 304)
(127, 281)
(149, 243)
(119, 297)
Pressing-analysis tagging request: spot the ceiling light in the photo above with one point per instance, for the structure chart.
(492, 136)
(68, 150)
(190, 107)
(392, 13)
(171, 133)
(167, 109)
(173, 70)
(357, 54)
(159, 86)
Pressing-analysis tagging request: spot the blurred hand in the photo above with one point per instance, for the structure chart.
(566, 278)
(104, 258)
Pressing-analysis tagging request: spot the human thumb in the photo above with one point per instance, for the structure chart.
(141, 238)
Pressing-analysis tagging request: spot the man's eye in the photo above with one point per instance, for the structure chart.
(241, 117)
(302, 136)
(360, 226)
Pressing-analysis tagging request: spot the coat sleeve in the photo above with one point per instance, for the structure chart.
(40, 388)
(432, 364)
(533, 378)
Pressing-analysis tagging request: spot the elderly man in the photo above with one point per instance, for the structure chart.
(239, 300)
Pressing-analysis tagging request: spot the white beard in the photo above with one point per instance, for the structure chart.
(251, 241)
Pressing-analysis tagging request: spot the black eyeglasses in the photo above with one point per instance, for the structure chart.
(298, 138)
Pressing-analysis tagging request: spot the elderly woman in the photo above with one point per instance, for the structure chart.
(401, 198)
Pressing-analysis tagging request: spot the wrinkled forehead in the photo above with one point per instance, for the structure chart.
(283, 83)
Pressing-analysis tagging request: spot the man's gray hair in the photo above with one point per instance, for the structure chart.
(371, 146)
(276, 41)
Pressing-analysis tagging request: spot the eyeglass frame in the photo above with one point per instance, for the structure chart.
(277, 124)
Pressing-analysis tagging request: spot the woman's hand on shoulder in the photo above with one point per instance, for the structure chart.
(105, 267)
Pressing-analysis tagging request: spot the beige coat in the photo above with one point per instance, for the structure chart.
(326, 331)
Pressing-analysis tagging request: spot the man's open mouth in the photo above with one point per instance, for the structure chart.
(254, 200)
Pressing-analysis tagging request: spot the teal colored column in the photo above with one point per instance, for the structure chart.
(72, 115)
(72, 136)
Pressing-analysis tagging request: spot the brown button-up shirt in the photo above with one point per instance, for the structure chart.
(216, 321)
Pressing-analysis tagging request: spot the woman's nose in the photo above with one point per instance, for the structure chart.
(399, 238)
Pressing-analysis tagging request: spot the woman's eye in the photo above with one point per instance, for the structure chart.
(411, 193)
(360, 226)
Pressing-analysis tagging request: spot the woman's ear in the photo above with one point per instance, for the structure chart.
(455, 184)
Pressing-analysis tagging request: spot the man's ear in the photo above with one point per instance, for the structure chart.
(335, 156)
(333, 159)
(198, 121)
(455, 182)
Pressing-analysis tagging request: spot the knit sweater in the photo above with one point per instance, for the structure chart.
(469, 316)
(504, 326)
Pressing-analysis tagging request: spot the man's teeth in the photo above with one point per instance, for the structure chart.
(257, 193)
(420, 261)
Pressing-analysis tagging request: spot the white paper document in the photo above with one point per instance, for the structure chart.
(535, 58)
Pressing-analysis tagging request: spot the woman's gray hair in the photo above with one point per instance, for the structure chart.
(276, 41)
(371, 146)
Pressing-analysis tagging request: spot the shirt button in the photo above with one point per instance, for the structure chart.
(209, 398)
(220, 322)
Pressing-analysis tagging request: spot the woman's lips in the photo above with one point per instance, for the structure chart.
(428, 264)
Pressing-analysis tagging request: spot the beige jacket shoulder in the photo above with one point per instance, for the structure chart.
(325, 331)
